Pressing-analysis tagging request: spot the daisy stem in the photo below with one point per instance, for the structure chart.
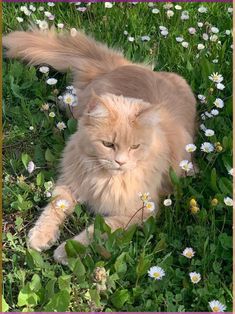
(141, 208)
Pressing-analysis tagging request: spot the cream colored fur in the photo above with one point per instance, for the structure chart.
(121, 103)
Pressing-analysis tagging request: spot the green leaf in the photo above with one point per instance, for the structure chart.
(35, 283)
(72, 125)
(5, 306)
(50, 288)
(225, 186)
(25, 160)
(40, 179)
(100, 227)
(120, 264)
(127, 235)
(49, 156)
(119, 298)
(142, 266)
(213, 182)
(226, 241)
(95, 297)
(37, 258)
(59, 302)
(64, 282)
(174, 178)
(149, 226)
(73, 248)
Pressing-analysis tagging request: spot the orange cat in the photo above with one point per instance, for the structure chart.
(133, 125)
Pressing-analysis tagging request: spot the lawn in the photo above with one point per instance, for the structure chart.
(191, 39)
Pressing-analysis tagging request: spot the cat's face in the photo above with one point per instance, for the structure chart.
(119, 132)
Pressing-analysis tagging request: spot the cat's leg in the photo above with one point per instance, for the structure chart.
(86, 235)
(46, 230)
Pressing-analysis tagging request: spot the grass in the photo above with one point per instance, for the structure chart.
(32, 281)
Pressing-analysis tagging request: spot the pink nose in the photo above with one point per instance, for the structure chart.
(120, 162)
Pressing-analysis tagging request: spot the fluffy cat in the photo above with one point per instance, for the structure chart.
(133, 125)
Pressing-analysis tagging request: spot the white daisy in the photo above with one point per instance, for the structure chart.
(230, 10)
(188, 252)
(45, 107)
(190, 148)
(69, 99)
(179, 39)
(31, 166)
(43, 25)
(207, 147)
(213, 38)
(202, 98)
(60, 25)
(125, 33)
(131, 39)
(51, 4)
(200, 24)
(32, 8)
(73, 32)
(220, 86)
(203, 127)
(150, 4)
(178, 7)
(184, 15)
(145, 197)
(209, 132)
(214, 30)
(185, 44)
(214, 112)
(62, 204)
(51, 81)
(164, 32)
(40, 9)
(205, 36)
(231, 172)
(227, 32)
(52, 114)
(61, 126)
(108, 5)
(215, 61)
(156, 272)
(216, 77)
(169, 13)
(186, 165)
(228, 201)
(200, 46)
(195, 277)
(20, 19)
(155, 11)
(192, 30)
(145, 38)
(47, 13)
(218, 103)
(168, 5)
(44, 69)
(31, 128)
(150, 206)
(202, 9)
(216, 306)
(167, 202)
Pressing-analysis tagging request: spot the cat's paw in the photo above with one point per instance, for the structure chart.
(60, 255)
(41, 239)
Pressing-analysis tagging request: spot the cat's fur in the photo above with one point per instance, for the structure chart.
(119, 102)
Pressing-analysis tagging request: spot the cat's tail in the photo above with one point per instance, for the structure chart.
(87, 58)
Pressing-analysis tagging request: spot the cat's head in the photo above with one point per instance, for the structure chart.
(118, 131)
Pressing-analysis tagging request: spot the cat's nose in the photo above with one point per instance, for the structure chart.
(120, 162)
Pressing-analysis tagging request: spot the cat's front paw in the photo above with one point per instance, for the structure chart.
(60, 255)
(41, 239)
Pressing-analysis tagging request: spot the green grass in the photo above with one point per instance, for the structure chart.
(32, 281)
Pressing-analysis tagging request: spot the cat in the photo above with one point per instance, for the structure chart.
(133, 125)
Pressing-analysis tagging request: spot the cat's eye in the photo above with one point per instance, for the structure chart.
(108, 144)
(135, 146)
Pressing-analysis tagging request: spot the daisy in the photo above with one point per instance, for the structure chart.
(150, 206)
(188, 252)
(186, 165)
(203, 127)
(190, 148)
(218, 103)
(207, 147)
(41, 9)
(216, 306)
(61, 126)
(62, 204)
(202, 98)
(71, 89)
(216, 77)
(215, 61)
(200, 46)
(47, 13)
(156, 272)
(209, 132)
(202, 9)
(69, 99)
(125, 33)
(195, 277)
(145, 197)
(51, 4)
(73, 32)
(167, 202)
(213, 38)
(227, 32)
(169, 13)
(150, 4)
(19, 19)
(145, 38)
(60, 25)
(228, 201)
(43, 25)
(192, 30)
(179, 39)
(220, 86)
(168, 6)
(51, 81)
(45, 107)
(231, 172)
(185, 44)
(205, 36)
(164, 32)
(214, 112)
(52, 114)
(184, 15)
(178, 7)
(155, 11)
(81, 9)
(131, 39)
(199, 24)
(31, 167)
(230, 10)
(108, 5)
(31, 128)
(214, 30)
(44, 69)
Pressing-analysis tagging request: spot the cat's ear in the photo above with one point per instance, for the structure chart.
(148, 116)
(96, 108)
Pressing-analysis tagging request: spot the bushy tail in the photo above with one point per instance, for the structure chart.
(86, 57)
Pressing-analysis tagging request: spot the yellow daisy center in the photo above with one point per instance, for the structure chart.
(215, 309)
(156, 275)
(195, 278)
(188, 254)
(68, 99)
(62, 206)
